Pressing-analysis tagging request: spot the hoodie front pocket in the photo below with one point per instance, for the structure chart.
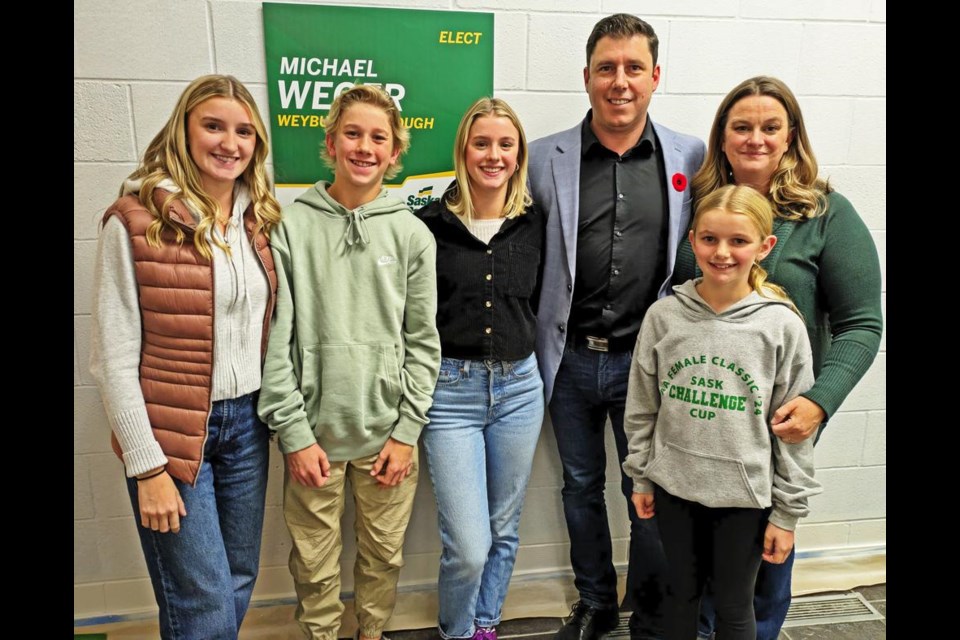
(359, 384)
(711, 480)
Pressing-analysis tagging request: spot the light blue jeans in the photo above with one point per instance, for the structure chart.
(483, 430)
(203, 576)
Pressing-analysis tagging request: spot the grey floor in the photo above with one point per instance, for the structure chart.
(544, 628)
(277, 623)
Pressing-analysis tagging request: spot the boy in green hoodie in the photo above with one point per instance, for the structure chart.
(351, 364)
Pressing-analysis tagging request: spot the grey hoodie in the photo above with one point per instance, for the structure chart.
(703, 387)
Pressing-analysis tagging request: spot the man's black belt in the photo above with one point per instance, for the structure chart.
(604, 344)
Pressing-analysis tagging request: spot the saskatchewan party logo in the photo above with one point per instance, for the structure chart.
(423, 197)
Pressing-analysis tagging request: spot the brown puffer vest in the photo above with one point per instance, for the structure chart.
(176, 313)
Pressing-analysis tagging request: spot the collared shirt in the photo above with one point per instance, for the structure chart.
(486, 292)
(621, 236)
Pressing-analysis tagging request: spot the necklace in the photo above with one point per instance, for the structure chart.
(223, 229)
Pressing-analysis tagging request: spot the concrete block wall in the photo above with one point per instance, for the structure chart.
(133, 58)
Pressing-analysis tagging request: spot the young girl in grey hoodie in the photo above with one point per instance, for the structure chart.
(709, 364)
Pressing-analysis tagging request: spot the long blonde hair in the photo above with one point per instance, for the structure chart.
(374, 96)
(795, 190)
(746, 201)
(168, 158)
(518, 198)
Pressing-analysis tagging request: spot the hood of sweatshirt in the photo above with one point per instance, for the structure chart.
(354, 220)
(741, 311)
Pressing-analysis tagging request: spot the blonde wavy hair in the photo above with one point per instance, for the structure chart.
(377, 97)
(168, 158)
(795, 190)
(518, 197)
(746, 201)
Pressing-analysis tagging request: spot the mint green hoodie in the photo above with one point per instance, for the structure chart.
(354, 352)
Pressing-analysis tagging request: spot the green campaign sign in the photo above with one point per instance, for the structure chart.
(433, 64)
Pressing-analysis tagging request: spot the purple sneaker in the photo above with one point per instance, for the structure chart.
(484, 633)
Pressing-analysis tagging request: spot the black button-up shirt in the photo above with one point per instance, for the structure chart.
(487, 293)
(622, 235)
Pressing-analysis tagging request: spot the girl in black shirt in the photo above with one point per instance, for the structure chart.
(488, 404)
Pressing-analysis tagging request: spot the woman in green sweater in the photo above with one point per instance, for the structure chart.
(824, 258)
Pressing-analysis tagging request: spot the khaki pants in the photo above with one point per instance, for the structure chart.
(313, 519)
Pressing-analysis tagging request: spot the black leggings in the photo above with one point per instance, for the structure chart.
(719, 545)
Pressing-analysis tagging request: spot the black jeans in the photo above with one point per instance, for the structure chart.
(719, 545)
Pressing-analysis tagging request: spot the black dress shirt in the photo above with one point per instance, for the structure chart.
(621, 237)
(486, 293)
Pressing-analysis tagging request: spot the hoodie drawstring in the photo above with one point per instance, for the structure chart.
(356, 230)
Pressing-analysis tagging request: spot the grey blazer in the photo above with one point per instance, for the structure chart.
(555, 185)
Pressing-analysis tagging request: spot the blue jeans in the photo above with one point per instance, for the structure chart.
(483, 430)
(203, 576)
(591, 386)
(771, 600)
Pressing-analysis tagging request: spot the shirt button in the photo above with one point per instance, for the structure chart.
(608, 306)
(489, 276)
(488, 304)
(619, 196)
(489, 252)
(562, 328)
(488, 330)
(616, 272)
(618, 233)
(569, 287)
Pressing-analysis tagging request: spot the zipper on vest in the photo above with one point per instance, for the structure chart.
(271, 301)
(213, 351)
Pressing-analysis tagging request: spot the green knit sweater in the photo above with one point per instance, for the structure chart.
(830, 269)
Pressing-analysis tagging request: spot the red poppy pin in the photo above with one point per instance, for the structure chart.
(679, 181)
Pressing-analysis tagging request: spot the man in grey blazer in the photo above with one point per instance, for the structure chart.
(616, 192)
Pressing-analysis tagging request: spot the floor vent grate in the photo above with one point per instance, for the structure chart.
(804, 611)
(623, 628)
(845, 607)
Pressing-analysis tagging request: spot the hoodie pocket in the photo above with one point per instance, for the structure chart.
(358, 384)
(711, 480)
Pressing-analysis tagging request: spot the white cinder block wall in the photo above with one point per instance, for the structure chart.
(133, 58)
